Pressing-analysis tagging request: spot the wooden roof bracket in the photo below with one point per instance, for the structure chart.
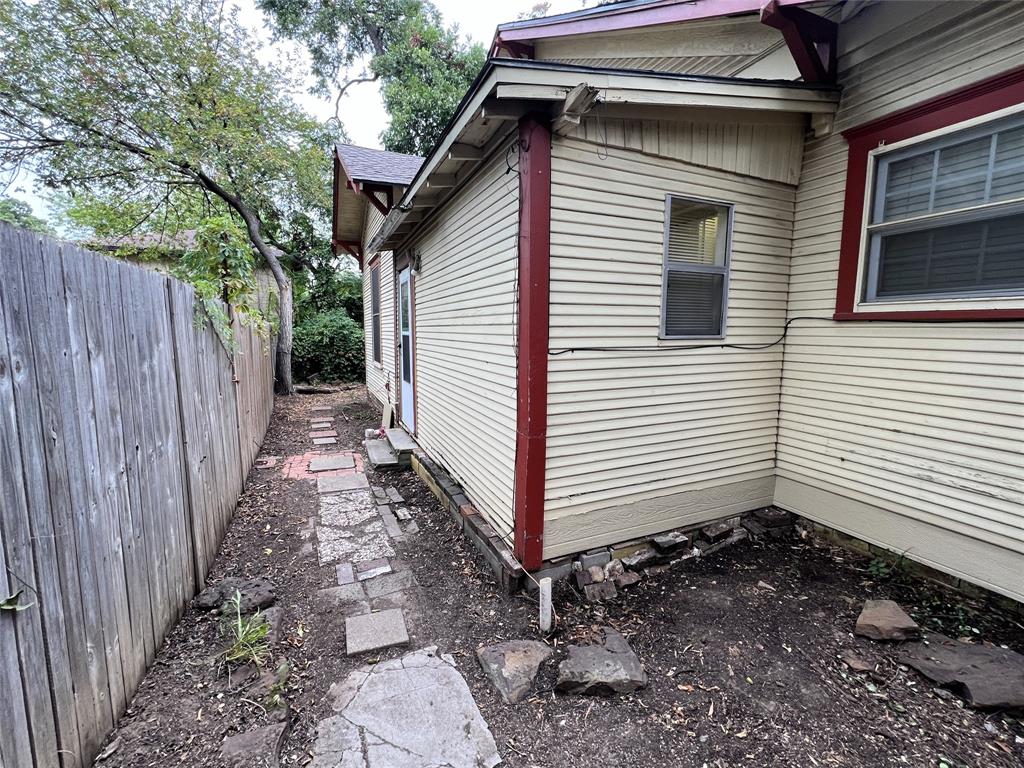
(811, 40)
(354, 249)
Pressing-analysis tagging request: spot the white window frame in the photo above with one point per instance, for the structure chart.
(723, 270)
(878, 162)
(376, 318)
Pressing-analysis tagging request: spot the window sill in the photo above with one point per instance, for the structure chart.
(932, 315)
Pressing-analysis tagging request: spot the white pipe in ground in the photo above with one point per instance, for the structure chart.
(545, 605)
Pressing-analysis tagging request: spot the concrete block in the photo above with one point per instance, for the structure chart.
(342, 483)
(598, 557)
(373, 631)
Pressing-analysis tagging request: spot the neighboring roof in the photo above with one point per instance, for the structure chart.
(378, 165)
(175, 242)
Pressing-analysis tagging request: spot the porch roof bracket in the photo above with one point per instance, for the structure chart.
(355, 250)
(811, 40)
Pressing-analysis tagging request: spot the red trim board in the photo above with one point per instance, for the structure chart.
(532, 360)
(982, 98)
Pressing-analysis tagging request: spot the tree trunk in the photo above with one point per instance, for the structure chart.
(284, 338)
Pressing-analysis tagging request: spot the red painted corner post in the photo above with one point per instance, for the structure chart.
(532, 373)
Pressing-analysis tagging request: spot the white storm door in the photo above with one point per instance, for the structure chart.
(405, 351)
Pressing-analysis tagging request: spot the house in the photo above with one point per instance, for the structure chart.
(675, 261)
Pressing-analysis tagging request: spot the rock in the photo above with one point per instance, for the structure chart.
(512, 666)
(988, 677)
(885, 620)
(671, 542)
(253, 595)
(596, 574)
(627, 579)
(214, 595)
(258, 747)
(604, 669)
(771, 517)
(272, 618)
(614, 568)
(716, 531)
(597, 592)
(641, 559)
(582, 579)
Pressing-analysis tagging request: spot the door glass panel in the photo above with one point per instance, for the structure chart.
(405, 306)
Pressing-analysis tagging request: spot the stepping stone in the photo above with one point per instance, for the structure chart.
(389, 583)
(512, 666)
(325, 441)
(400, 440)
(403, 513)
(601, 669)
(323, 433)
(342, 483)
(329, 463)
(390, 522)
(394, 495)
(322, 408)
(990, 677)
(374, 568)
(380, 454)
(885, 620)
(346, 574)
(373, 631)
(317, 425)
(412, 712)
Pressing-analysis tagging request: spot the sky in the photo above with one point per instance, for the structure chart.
(362, 111)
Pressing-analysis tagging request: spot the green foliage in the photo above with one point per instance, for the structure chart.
(152, 105)
(12, 603)
(20, 214)
(326, 290)
(881, 569)
(329, 347)
(424, 67)
(222, 269)
(248, 636)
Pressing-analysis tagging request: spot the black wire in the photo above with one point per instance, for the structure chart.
(673, 348)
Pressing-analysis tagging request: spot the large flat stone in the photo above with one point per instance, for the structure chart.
(342, 483)
(885, 620)
(512, 666)
(343, 510)
(412, 712)
(325, 441)
(380, 454)
(604, 669)
(260, 747)
(324, 433)
(388, 583)
(373, 631)
(328, 463)
(989, 677)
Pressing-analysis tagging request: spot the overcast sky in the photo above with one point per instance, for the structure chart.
(361, 110)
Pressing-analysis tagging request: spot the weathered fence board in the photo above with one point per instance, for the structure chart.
(127, 429)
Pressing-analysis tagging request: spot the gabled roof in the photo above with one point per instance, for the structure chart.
(378, 165)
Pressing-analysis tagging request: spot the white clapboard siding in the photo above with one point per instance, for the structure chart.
(465, 324)
(380, 377)
(639, 442)
(905, 435)
(766, 146)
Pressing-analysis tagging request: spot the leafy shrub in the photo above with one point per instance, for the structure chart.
(328, 347)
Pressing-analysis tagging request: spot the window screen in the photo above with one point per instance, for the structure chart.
(947, 217)
(696, 264)
(375, 312)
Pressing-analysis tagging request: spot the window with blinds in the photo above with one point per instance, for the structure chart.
(695, 278)
(375, 312)
(947, 217)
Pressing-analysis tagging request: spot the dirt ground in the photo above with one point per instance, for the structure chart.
(743, 649)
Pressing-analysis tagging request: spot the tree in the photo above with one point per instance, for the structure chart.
(423, 66)
(144, 98)
(20, 214)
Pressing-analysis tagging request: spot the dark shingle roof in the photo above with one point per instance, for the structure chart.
(363, 164)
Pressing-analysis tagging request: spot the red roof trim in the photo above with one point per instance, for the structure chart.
(636, 17)
(532, 370)
(981, 98)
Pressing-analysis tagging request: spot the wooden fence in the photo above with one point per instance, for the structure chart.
(126, 433)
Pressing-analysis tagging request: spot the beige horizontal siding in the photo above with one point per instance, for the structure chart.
(765, 147)
(465, 325)
(906, 435)
(639, 442)
(380, 377)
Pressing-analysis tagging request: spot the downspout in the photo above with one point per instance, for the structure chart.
(532, 353)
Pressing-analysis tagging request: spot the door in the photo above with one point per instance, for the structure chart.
(405, 352)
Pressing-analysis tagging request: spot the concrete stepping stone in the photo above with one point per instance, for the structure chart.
(325, 441)
(324, 433)
(261, 746)
(512, 666)
(342, 483)
(380, 454)
(330, 463)
(318, 425)
(394, 495)
(322, 408)
(390, 522)
(373, 569)
(411, 712)
(389, 583)
(346, 574)
(604, 669)
(373, 631)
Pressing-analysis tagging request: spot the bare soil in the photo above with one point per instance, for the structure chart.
(743, 648)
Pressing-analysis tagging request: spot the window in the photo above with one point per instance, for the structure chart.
(375, 311)
(947, 217)
(695, 279)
